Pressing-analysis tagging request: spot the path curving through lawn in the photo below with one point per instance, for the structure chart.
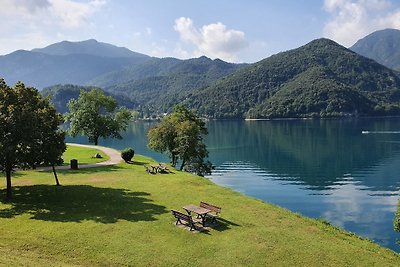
(115, 158)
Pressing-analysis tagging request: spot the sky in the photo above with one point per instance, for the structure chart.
(232, 30)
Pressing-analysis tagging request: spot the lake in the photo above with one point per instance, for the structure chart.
(346, 171)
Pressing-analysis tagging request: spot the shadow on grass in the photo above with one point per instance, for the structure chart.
(78, 203)
(111, 168)
(223, 224)
(140, 163)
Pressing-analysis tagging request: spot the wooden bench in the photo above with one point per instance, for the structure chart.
(183, 217)
(148, 170)
(215, 210)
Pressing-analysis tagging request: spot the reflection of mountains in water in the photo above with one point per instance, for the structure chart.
(319, 154)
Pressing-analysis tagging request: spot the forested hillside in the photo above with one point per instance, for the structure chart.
(152, 87)
(61, 94)
(166, 80)
(319, 79)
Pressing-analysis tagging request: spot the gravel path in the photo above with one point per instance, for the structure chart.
(115, 158)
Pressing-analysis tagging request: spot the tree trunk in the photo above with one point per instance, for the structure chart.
(183, 164)
(55, 174)
(8, 178)
(96, 141)
(173, 163)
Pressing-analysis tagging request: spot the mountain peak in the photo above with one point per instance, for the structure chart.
(87, 47)
(323, 42)
(383, 46)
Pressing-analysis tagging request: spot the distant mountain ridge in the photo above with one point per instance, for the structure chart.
(382, 46)
(66, 63)
(42, 70)
(319, 79)
(94, 63)
(88, 47)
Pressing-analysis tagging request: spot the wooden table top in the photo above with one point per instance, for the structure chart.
(196, 209)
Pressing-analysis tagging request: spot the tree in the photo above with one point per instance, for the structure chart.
(396, 221)
(28, 130)
(94, 115)
(162, 138)
(52, 145)
(180, 134)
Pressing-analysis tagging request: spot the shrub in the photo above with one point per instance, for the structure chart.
(127, 154)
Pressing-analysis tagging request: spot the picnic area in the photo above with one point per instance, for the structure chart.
(120, 215)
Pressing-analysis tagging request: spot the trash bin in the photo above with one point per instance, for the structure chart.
(74, 164)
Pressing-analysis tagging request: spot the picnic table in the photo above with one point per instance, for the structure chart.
(154, 167)
(159, 168)
(202, 212)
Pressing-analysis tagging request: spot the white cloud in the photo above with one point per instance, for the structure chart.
(67, 13)
(74, 14)
(213, 40)
(32, 23)
(353, 19)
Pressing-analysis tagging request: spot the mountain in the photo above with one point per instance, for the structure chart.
(154, 86)
(42, 70)
(150, 68)
(158, 83)
(382, 46)
(320, 79)
(88, 47)
(66, 62)
(116, 69)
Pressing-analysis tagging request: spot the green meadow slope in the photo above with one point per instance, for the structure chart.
(120, 215)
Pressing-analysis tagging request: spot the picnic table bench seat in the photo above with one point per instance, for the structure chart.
(215, 210)
(148, 170)
(163, 167)
(184, 217)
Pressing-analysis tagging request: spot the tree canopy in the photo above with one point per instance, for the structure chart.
(180, 134)
(29, 130)
(95, 115)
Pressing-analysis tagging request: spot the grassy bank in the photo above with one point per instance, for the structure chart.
(120, 215)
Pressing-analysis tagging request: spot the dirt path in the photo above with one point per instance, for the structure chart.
(115, 158)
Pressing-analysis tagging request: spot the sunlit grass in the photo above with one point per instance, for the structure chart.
(120, 215)
(83, 155)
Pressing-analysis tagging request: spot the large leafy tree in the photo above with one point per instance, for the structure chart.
(396, 221)
(95, 115)
(52, 141)
(29, 130)
(180, 134)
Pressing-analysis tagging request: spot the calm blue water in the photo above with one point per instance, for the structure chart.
(320, 168)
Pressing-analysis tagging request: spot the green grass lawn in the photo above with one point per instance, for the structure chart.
(120, 215)
(83, 155)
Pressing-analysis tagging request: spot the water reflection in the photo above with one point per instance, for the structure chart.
(316, 152)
